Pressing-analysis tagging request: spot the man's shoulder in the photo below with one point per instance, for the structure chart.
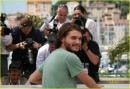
(90, 20)
(16, 30)
(48, 19)
(93, 43)
(5, 80)
(65, 52)
(5, 77)
(45, 46)
(37, 31)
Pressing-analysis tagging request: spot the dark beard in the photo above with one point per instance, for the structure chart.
(68, 49)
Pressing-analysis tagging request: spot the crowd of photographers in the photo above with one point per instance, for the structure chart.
(25, 40)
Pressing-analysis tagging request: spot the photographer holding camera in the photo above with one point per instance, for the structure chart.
(80, 18)
(6, 40)
(90, 54)
(25, 44)
(53, 23)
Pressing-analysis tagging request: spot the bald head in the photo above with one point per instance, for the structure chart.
(62, 12)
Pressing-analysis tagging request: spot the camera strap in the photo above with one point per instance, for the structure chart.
(85, 22)
(52, 18)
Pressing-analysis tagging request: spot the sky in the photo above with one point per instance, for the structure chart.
(10, 6)
(13, 6)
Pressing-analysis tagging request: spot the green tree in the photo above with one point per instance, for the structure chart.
(121, 48)
(37, 21)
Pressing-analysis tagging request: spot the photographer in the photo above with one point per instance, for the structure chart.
(53, 23)
(80, 18)
(90, 54)
(46, 49)
(6, 40)
(26, 41)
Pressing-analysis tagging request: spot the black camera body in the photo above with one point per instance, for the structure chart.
(84, 40)
(5, 29)
(29, 43)
(54, 29)
(80, 21)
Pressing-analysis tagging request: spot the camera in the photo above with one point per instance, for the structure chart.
(54, 29)
(80, 20)
(29, 42)
(83, 40)
(5, 29)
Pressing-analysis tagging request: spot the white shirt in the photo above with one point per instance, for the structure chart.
(5, 41)
(48, 24)
(91, 26)
(43, 53)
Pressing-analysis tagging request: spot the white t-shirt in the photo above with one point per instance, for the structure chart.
(43, 53)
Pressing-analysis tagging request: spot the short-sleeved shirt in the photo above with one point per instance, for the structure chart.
(92, 69)
(43, 53)
(60, 69)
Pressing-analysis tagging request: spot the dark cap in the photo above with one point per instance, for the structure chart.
(26, 22)
(52, 38)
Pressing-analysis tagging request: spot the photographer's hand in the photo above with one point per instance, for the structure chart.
(36, 45)
(21, 45)
(73, 19)
(46, 32)
(85, 47)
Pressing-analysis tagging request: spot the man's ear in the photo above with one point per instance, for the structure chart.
(57, 11)
(62, 40)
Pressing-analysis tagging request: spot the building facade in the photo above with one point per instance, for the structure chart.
(40, 8)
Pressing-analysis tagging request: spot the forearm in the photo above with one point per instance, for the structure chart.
(12, 47)
(20, 45)
(35, 77)
(93, 58)
(88, 81)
